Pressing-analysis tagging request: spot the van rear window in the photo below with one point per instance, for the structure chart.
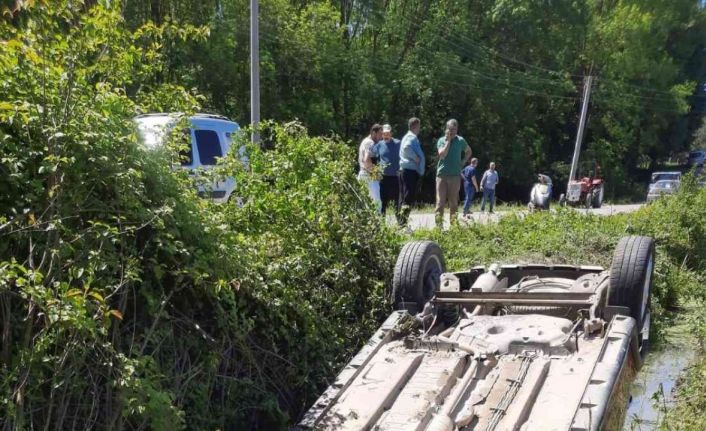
(209, 146)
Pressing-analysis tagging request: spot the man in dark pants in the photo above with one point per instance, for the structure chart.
(388, 150)
(412, 165)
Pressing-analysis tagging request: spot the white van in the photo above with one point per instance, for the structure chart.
(211, 137)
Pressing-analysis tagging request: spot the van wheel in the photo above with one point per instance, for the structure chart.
(631, 276)
(417, 275)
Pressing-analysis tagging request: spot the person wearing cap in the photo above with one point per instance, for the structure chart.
(366, 161)
(412, 165)
(388, 151)
(453, 153)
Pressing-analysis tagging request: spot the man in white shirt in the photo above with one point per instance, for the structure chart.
(367, 158)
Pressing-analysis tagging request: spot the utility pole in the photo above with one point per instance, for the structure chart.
(582, 125)
(254, 70)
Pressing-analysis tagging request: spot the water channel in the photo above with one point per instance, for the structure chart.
(653, 389)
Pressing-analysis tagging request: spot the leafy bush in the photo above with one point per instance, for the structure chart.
(126, 301)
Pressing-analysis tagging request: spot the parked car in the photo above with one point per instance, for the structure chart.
(508, 347)
(662, 187)
(211, 137)
(696, 157)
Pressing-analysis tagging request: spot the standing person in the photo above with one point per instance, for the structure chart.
(470, 185)
(412, 165)
(453, 153)
(366, 162)
(388, 150)
(487, 186)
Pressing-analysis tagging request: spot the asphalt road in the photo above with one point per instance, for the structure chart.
(426, 220)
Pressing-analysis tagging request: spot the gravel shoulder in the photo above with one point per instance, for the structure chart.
(425, 220)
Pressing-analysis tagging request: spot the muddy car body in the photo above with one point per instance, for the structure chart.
(510, 347)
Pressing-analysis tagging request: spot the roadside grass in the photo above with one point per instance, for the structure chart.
(511, 206)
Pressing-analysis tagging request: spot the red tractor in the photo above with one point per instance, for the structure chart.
(586, 190)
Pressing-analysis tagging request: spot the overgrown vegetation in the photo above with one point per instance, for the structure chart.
(128, 303)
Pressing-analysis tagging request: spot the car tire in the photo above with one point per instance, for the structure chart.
(562, 200)
(631, 276)
(417, 275)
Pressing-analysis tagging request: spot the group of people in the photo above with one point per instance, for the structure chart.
(392, 169)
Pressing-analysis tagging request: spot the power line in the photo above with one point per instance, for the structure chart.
(464, 69)
(492, 51)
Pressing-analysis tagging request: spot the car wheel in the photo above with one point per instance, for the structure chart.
(562, 200)
(417, 275)
(631, 276)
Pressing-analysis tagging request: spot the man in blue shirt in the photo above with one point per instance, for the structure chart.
(470, 185)
(487, 186)
(412, 165)
(388, 151)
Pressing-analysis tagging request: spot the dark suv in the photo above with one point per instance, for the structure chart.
(696, 157)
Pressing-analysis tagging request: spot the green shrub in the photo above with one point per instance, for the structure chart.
(126, 301)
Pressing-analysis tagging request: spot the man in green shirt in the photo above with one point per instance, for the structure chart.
(453, 153)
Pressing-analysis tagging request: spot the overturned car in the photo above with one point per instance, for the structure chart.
(508, 347)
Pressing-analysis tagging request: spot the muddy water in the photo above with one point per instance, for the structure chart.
(653, 389)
